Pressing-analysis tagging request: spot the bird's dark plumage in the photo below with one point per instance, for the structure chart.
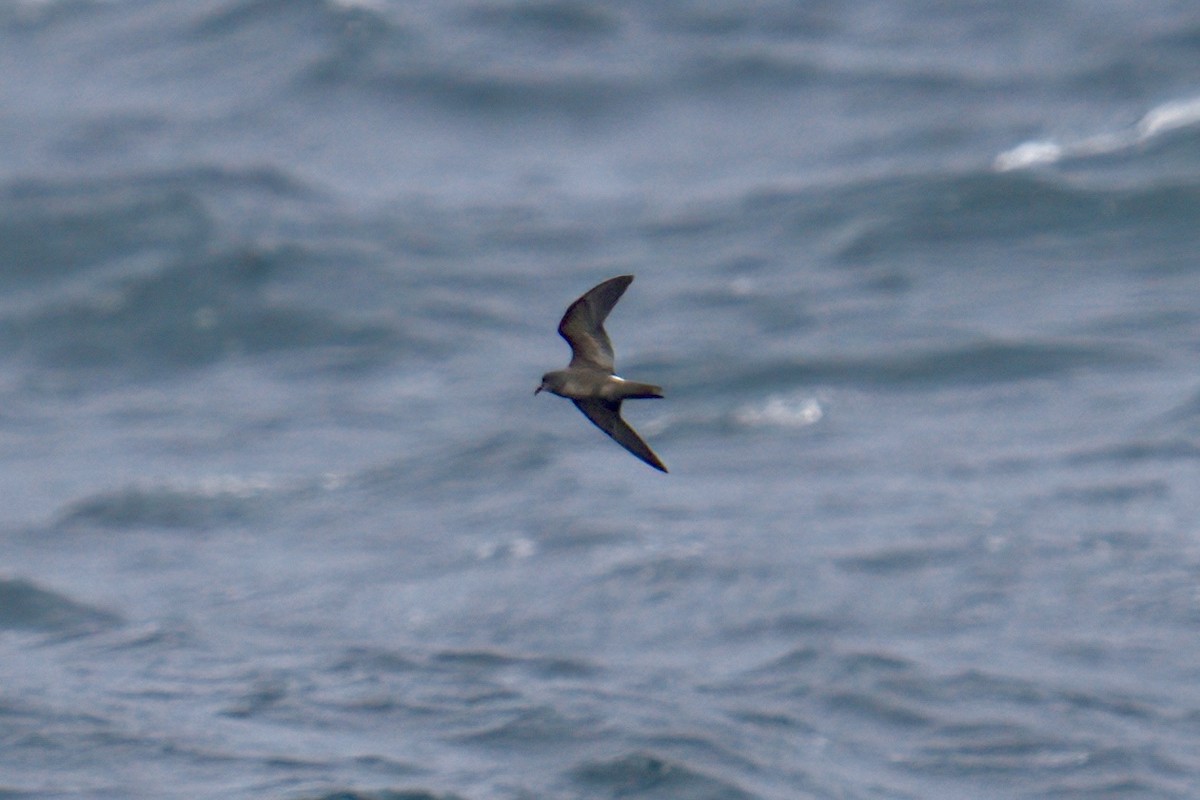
(588, 380)
(583, 324)
(607, 417)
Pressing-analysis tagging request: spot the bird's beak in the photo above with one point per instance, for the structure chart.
(535, 391)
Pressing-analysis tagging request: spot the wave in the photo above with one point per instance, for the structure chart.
(191, 313)
(642, 773)
(26, 606)
(1161, 122)
(75, 233)
(956, 219)
(978, 363)
(533, 727)
(780, 411)
(560, 58)
(386, 794)
(541, 58)
(1014, 208)
(148, 275)
(207, 504)
(898, 559)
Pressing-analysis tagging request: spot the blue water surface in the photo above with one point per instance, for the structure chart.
(282, 518)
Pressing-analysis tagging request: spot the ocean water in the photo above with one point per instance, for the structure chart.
(282, 518)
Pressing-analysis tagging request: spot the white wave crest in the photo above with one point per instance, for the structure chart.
(1159, 120)
(781, 411)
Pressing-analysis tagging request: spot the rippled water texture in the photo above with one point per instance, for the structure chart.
(283, 519)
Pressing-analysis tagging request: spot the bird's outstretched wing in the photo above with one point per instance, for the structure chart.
(606, 415)
(583, 326)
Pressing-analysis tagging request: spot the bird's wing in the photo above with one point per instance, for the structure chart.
(607, 417)
(583, 324)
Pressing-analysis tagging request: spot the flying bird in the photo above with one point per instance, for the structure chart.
(589, 380)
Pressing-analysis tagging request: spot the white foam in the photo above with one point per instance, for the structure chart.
(1029, 154)
(782, 412)
(1168, 117)
(1159, 120)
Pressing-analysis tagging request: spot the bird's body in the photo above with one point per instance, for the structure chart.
(589, 380)
(584, 383)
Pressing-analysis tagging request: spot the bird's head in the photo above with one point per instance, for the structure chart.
(551, 382)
